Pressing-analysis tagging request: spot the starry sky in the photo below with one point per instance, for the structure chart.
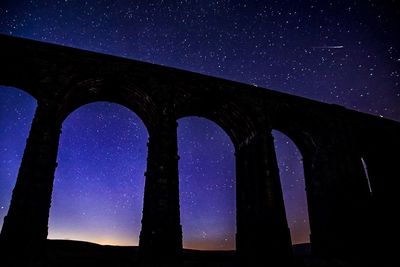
(342, 52)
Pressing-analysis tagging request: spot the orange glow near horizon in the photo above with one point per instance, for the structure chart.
(209, 245)
(95, 238)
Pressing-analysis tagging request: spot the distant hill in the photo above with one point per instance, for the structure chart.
(78, 253)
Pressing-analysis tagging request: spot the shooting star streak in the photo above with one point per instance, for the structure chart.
(328, 47)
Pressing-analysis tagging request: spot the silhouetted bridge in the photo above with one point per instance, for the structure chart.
(346, 219)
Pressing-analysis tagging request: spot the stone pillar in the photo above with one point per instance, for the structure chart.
(339, 200)
(25, 227)
(384, 173)
(161, 234)
(263, 236)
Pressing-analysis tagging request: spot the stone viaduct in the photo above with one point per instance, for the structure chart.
(347, 219)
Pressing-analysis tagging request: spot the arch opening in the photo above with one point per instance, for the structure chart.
(17, 110)
(207, 185)
(99, 182)
(291, 174)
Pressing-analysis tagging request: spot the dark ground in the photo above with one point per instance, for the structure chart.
(62, 253)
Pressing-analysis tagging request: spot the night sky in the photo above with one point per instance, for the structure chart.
(342, 52)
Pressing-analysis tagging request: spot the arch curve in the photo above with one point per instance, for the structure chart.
(227, 114)
(291, 122)
(99, 89)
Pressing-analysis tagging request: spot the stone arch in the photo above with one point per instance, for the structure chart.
(284, 144)
(306, 144)
(131, 191)
(302, 127)
(223, 214)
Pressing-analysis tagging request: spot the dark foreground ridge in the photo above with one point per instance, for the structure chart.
(79, 253)
(62, 253)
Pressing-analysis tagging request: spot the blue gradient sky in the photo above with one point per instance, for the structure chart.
(342, 52)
